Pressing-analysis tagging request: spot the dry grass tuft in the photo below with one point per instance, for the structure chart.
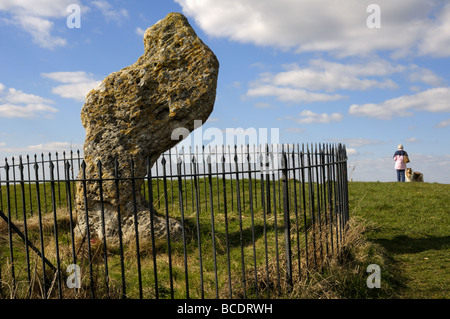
(335, 277)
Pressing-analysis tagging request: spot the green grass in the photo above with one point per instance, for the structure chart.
(411, 222)
(404, 228)
(239, 231)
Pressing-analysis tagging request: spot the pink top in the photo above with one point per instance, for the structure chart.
(399, 162)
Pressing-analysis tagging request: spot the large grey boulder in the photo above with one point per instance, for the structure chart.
(132, 114)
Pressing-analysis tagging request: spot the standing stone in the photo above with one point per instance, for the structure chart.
(132, 114)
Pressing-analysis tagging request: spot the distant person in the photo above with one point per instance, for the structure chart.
(400, 165)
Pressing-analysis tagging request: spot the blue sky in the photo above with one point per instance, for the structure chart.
(315, 71)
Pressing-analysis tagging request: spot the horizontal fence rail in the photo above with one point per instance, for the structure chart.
(255, 221)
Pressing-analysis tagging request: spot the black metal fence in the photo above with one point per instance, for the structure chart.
(256, 220)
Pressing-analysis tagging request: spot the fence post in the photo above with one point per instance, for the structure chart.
(294, 178)
(335, 198)
(330, 192)
(344, 165)
(287, 222)
(263, 203)
(166, 204)
(303, 196)
(41, 235)
(55, 226)
(205, 194)
(238, 194)
(119, 223)
(29, 185)
(69, 202)
(197, 211)
(8, 204)
(319, 204)
(180, 199)
(267, 169)
(324, 197)
(102, 213)
(250, 193)
(14, 187)
(213, 232)
(152, 227)
(275, 216)
(24, 211)
(136, 231)
(225, 209)
(88, 232)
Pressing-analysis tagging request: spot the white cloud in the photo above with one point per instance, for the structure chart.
(25, 111)
(322, 80)
(43, 8)
(67, 77)
(297, 84)
(376, 67)
(308, 117)
(40, 30)
(286, 94)
(76, 84)
(140, 31)
(413, 140)
(295, 130)
(436, 41)
(352, 152)
(54, 147)
(41, 148)
(419, 74)
(331, 76)
(443, 123)
(263, 105)
(340, 27)
(415, 88)
(34, 17)
(357, 142)
(18, 97)
(17, 104)
(109, 12)
(38, 17)
(432, 100)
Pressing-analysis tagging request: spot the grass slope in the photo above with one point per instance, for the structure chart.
(411, 221)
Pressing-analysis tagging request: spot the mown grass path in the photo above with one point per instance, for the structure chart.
(412, 222)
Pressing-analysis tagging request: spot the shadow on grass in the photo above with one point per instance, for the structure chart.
(396, 276)
(403, 244)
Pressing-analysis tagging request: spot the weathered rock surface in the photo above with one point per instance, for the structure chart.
(132, 114)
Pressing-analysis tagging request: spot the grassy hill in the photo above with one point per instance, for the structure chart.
(410, 222)
(402, 227)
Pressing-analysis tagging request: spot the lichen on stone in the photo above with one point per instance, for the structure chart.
(133, 112)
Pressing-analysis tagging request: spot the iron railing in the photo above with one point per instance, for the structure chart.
(256, 220)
